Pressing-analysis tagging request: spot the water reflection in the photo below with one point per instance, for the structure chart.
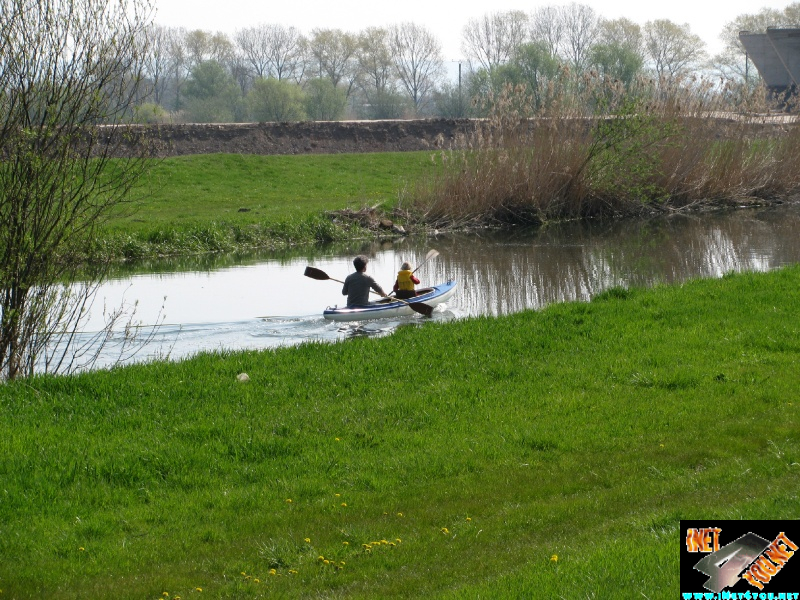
(262, 301)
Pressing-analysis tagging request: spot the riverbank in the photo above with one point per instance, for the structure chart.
(328, 473)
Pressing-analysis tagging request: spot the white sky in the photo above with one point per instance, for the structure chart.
(445, 19)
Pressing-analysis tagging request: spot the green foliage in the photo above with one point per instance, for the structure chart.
(275, 100)
(533, 453)
(212, 95)
(149, 113)
(623, 156)
(324, 101)
(616, 61)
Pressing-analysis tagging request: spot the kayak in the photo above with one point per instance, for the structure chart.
(390, 307)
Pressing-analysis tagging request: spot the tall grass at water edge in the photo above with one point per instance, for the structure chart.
(544, 454)
(597, 148)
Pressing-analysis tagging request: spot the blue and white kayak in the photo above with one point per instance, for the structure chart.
(390, 307)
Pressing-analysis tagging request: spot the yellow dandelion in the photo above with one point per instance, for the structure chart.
(661, 445)
(554, 558)
(344, 504)
(292, 572)
(288, 500)
(307, 540)
(345, 543)
(248, 576)
(392, 544)
(384, 542)
(337, 495)
(243, 573)
(399, 541)
(81, 549)
(165, 594)
(399, 514)
(256, 580)
(468, 519)
(366, 546)
(320, 557)
(198, 589)
(337, 439)
(341, 562)
(326, 562)
(273, 572)
(445, 530)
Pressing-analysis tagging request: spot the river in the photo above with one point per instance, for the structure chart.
(264, 301)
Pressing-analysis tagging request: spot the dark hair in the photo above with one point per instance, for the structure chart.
(360, 262)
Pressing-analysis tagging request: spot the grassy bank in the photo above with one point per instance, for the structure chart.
(227, 202)
(545, 454)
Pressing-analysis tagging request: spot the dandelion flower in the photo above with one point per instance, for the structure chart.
(198, 589)
(256, 580)
(345, 543)
(307, 540)
(337, 495)
(288, 500)
(326, 562)
(341, 562)
(468, 519)
(399, 541)
(445, 530)
(320, 557)
(81, 549)
(292, 572)
(554, 558)
(344, 504)
(399, 514)
(337, 439)
(243, 573)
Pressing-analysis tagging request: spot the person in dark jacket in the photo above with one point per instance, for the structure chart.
(357, 285)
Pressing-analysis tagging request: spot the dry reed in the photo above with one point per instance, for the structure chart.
(584, 147)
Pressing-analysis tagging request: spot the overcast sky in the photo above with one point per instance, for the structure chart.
(445, 19)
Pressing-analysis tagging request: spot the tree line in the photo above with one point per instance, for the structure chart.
(273, 72)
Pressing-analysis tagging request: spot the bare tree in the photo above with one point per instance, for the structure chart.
(546, 27)
(334, 54)
(157, 60)
(493, 39)
(252, 43)
(673, 49)
(271, 50)
(579, 26)
(67, 66)
(418, 60)
(376, 67)
(179, 65)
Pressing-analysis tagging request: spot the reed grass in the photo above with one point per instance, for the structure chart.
(543, 454)
(597, 148)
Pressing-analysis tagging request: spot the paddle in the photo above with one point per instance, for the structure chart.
(419, 307)
(431, 254)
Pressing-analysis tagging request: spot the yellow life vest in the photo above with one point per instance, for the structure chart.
(404, 281)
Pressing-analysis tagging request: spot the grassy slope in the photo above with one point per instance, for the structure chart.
(484, 446)
(191, 190)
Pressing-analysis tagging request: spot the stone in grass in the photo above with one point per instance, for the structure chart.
(242, 377)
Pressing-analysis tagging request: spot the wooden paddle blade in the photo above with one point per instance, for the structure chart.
(421, 308)
(316, 274)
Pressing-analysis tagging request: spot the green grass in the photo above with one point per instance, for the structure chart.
(231, 202)
(477, 450)
(188, 190)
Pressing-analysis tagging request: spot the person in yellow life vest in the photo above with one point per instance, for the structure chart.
(404, 286)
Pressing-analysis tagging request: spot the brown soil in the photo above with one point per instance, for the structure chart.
(310, 137)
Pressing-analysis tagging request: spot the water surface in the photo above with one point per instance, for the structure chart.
(265, 301)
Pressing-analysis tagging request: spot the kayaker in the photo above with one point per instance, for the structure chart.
(357, 285)
(404, 285)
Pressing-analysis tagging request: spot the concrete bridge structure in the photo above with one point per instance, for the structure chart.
(776, 55)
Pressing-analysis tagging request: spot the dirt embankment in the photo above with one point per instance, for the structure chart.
(309, 137)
